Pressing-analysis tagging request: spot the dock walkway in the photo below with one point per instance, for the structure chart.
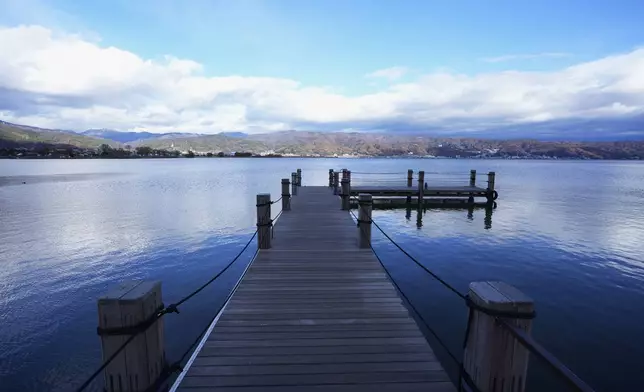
(315, 313)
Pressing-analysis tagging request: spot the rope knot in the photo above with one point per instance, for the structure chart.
(172, 308)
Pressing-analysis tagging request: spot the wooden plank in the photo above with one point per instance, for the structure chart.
(316, 368)
(314, 350)
(314, 359)
(342, 334)
(382, 387)
(315, 312)
(315, 379)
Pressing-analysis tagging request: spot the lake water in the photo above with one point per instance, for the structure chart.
(569, 234)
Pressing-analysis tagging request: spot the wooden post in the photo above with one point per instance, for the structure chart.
(490, 186)
(330, 178)
(294, 184)
(344, 174)
(299, 177)
(493, 358)
(346, 194)
(349, 176)
(140, 364)
(410, 178)
(490, 181)
(286, 196)
(472, 177)
(365, 202)
(421, 188)
(264, 221)
(336, 182)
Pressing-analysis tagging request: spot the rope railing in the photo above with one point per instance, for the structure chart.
(173, 308)
(524, 339)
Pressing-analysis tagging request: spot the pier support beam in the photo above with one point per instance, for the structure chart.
(472, 177)
(421, 188)
(294, 184)
(330, 178)
(336, 182)
(493, 358)
(264, 221)
(120, 312)
(346, 194)
(491, 193)
(286, 195)
(410, 178)
(365, 203)
(299, 177)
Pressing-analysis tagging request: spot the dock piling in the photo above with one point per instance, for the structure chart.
(294, 184)
(421, 188)
(346, 194)
(493, 357)
(299, 177)
(336, 182)
(365, 202)
(121, 312)
(330, 178)
(472, 177)
(286, 196)
(264, 221)
(490, 187)
(410, 178)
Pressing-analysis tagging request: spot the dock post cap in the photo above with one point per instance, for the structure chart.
(495, 295)
(492, 356)
(122, 311)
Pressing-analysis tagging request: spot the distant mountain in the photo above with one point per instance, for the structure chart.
(204, 143)
(329, 144)
(128, 137)
(233, 134)
(15, 135)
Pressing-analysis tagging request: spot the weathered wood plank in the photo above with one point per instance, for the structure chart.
(314, 350)
(316, 313)
(316, 368)
(382, 387)
(314, 359)
(315, 379)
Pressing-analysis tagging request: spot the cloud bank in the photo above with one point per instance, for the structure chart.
(58, 80)
(532, 56)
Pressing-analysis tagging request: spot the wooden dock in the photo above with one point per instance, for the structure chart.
(315, 313)
(435, 191)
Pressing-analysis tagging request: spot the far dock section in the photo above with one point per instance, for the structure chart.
(315, 312)
(430, 190)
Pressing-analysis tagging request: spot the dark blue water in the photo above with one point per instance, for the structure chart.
(569, 234)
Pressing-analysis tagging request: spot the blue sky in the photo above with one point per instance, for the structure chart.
(331, 51)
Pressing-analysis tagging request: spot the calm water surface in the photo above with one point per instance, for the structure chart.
(569, 234)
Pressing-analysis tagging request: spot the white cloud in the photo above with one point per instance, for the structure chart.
(51, 79)
(391, 74)
(532, 56)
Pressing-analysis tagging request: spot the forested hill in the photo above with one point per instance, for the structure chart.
(302, 143)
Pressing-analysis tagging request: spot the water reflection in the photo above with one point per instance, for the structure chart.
(421, 212)
(577, 252)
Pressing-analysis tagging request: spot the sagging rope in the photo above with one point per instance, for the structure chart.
(136, 330)
(498, 315)
(463, 374)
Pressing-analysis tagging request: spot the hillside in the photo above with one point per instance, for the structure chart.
(302, 143)
(13, 135)
(129, 137)
(209, 143)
